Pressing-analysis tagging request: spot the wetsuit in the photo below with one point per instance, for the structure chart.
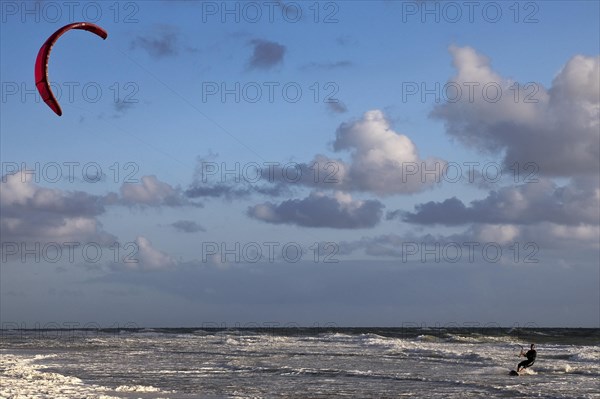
(530, 355)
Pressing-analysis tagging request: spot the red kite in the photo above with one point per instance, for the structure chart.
(41, 63)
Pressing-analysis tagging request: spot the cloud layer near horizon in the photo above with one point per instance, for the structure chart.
(319, 210)
(32, 214)
(543, 201)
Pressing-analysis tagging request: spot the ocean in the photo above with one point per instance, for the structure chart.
(297, 363)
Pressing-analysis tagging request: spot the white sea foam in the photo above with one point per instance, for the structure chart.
(136, 388)
(588, 355)
(22, 378)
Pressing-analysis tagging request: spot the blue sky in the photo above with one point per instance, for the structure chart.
(377, 239)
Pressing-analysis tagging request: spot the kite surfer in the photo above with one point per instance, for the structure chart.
(530, 355)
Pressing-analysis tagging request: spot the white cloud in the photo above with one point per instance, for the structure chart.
(556, 128)
(33, 213)
(544, 235)
(381, 158)
(498, 233)
(149, 258)
(381, 161)
(153, 192)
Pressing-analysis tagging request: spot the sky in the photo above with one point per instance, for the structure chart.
(355, 163)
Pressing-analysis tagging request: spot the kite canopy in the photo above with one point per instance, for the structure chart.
(41, 63)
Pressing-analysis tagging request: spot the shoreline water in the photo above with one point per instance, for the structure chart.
(333, 362)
